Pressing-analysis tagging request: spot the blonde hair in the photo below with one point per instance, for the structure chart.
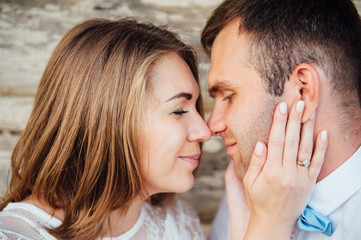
(79, 151)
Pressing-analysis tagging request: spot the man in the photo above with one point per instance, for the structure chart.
(267, 51)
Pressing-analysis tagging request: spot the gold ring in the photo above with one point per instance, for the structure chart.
(304, 163)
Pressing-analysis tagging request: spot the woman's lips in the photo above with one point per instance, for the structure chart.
(192, 159)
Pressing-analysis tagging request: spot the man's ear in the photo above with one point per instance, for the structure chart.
(306, 82)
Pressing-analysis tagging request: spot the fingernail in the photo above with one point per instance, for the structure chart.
(259, 148)
(324, 136)
(283, 107)
(313, 115)
(300, 106)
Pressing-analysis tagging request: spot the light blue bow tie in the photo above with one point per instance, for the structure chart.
(313, 221)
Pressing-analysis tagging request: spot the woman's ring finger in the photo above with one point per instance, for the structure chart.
(303, 163)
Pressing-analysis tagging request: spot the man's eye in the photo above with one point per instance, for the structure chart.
(228, 98)
(179, 112)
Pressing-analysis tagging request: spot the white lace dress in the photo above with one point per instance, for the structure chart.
(178, 221)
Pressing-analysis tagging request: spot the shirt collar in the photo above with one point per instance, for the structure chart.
(332, 191)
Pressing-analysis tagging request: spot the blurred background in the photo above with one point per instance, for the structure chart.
(29, 31)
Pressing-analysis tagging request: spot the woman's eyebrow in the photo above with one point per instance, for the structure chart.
(185, 95)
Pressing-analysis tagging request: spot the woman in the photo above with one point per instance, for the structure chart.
(114, 133)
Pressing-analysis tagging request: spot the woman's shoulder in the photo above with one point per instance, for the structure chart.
(25, 221)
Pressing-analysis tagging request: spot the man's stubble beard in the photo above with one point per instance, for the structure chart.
(259, 131)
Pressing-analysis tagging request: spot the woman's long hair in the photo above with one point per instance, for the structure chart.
(80, 149)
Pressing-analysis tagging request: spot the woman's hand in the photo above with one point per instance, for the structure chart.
(237, 203)
(277, 187)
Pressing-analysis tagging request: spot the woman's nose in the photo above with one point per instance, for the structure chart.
(199, 131)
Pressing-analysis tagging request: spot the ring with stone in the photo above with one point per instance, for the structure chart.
(303, 163)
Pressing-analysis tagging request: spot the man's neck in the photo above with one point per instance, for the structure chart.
(339, 150)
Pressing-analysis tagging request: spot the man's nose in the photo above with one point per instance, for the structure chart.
(216, 122)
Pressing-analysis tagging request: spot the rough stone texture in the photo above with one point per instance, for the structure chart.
(29, 31)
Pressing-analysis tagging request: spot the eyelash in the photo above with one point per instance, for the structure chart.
(180, 112)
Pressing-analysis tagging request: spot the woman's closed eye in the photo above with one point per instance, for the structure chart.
(179, 112)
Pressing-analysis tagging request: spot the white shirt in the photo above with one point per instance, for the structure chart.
(177, 222)
(337, 196)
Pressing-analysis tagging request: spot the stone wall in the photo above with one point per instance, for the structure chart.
(29, 31)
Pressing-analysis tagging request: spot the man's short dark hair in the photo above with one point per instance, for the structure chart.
(283, 34)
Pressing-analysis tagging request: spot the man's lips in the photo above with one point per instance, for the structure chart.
(192, 159)
(230, 147)
(229, 144)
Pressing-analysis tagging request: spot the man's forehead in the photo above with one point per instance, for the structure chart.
(229, 32)
(231, 41)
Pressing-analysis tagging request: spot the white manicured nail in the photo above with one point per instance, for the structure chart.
(283, 107)
(259, 148)
(300, 106)
(313, 115)
(324, 135)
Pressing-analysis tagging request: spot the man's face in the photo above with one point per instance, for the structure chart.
(243, 109)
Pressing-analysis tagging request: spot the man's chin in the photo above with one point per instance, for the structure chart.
(241, 167)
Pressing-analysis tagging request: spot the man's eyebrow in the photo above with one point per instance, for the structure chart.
(219, 87)
(185, 95)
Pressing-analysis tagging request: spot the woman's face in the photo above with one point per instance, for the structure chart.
(173, 128)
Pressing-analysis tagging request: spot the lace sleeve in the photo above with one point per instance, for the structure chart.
(15, 228)
(23, 221)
